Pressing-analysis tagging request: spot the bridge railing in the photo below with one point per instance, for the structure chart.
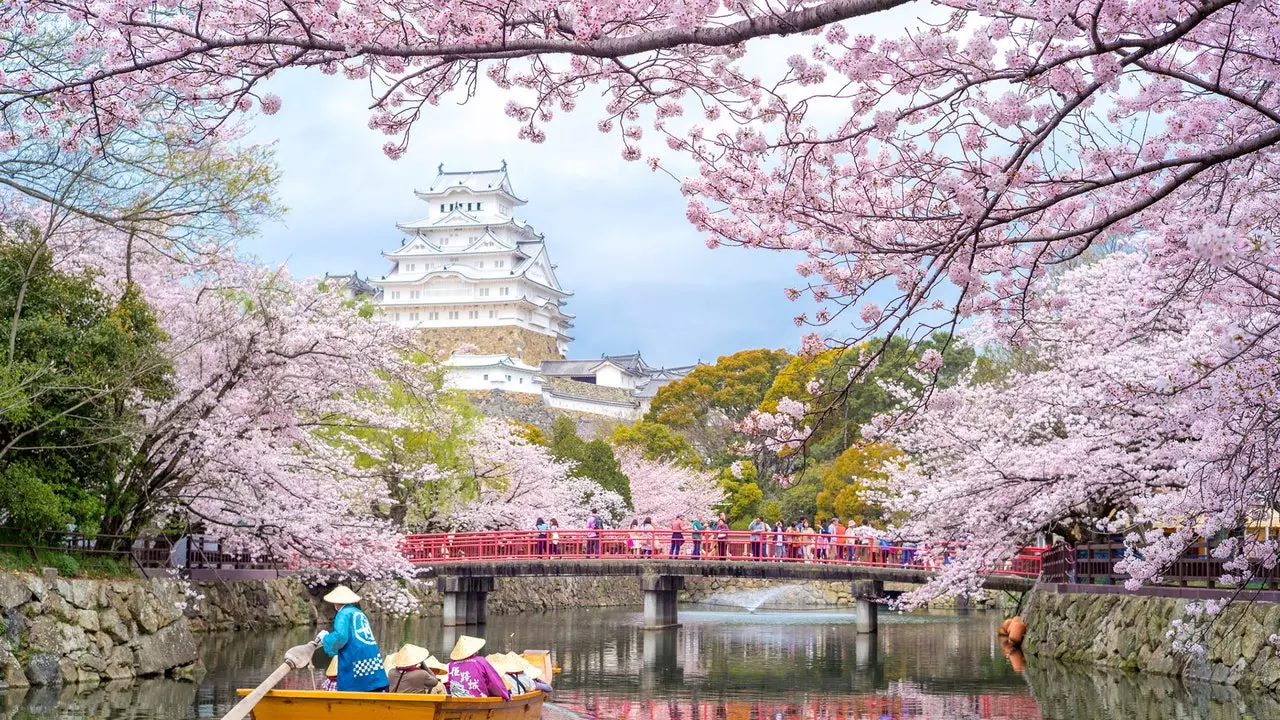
(1094, 564)
(709, 545)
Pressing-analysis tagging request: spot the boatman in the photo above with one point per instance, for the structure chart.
(359, 661)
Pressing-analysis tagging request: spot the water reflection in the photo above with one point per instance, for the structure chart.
(717, 666)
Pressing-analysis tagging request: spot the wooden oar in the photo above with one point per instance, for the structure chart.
(294, 658)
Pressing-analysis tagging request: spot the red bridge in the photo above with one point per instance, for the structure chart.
(467, 563)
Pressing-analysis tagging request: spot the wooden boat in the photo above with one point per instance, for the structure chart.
(327, 705)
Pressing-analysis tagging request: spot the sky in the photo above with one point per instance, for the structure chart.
(642, 278)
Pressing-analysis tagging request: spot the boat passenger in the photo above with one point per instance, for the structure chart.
(411, 672)
(470, 675)
(359, 661)
(524, 676)
(331, 676)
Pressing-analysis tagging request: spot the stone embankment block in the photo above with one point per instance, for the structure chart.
(58, 631)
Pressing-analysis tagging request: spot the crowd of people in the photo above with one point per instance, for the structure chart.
(359, 666)
(702, 538)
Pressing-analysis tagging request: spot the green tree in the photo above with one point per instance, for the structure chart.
(75, 359)
(851, 483)
(742, 494)
(730, 388)
(703, 405)
(593, 460)
(656, 442)
(846, 406)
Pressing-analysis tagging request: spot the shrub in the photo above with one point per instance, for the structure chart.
(66, 565)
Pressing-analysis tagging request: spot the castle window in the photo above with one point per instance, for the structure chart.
(508, 378)
(505, 291)
(433, 316)
(480, 264)
(478, 206)
(521, 381)
(468, 206)
(483, 292)
(414, 294)
(410, 267)
(473, 315)
(395, 316)
(486, 376)
(499, 263)
(453, 314)
(395, 295)
(493, 314)
(413, 316)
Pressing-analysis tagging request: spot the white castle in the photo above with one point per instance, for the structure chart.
(471, 263)
(480, 284)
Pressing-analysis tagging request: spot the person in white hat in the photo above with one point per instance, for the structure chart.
(352, 642)
(470, 675)
(524, 676)
(410, 672)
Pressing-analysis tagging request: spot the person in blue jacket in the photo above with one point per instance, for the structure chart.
(359, 660)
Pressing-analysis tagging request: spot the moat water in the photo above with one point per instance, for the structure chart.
(719, 665)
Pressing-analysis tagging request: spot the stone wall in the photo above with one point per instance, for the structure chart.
(529, 409)
(55, 631)
(1131, 632)
(527, 345)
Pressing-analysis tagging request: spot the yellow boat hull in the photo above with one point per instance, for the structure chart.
(323, 705)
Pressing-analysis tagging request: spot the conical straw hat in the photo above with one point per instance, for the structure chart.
(342, 595)
(500, 663)
(519, 664)
(436, 666)
(410, 656)
(466, 647)
(332, 670)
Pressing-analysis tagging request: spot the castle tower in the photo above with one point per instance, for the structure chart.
(470, 272)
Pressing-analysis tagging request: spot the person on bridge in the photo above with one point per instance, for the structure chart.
(542, 527)
(352, 641)
(677, 535)
(594, 525)
(756, 527)
(722, 536)
(470, 675)
(698, 527)
(553, 529)
(649, 537)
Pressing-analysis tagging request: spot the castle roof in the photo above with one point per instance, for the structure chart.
(476, 181)
(497, 360)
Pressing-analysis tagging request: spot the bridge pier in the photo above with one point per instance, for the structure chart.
(865, 593)
(466, 600)
(660, 593)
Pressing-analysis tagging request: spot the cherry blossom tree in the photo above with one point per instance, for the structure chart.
(520, 481)
(664, 487)
(266, 370)
(1149, 410)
